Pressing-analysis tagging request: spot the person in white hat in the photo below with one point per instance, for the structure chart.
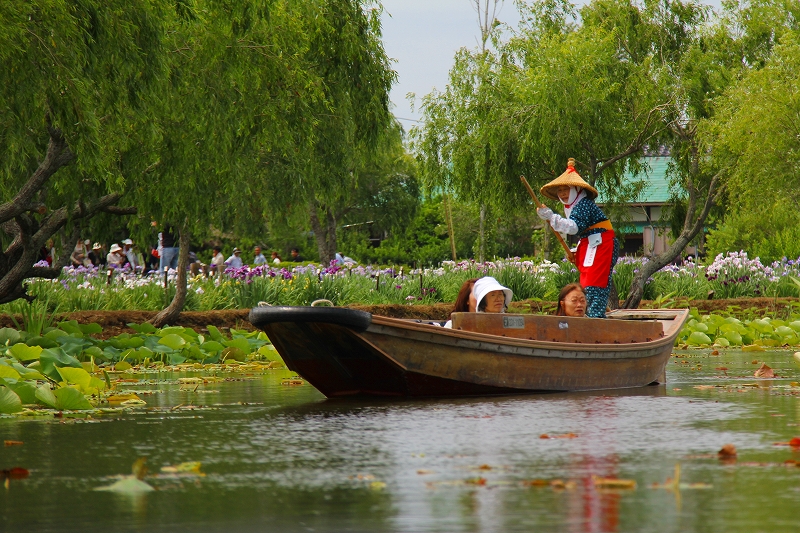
(115, 258)
(235, 260)
(597, 248)
(130, 255)
(484, 295)
(490, 296)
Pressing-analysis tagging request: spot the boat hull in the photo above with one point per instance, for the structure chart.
(400, 358)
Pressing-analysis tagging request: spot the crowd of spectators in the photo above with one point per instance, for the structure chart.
(160, 256)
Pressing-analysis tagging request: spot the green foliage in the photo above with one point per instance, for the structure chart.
(23, 367)
(423, 241)
(723, 331)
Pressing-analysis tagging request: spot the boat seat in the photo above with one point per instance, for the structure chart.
(560, 328)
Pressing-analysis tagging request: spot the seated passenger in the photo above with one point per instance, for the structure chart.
(465, 301)
(571, 301)
(491, 297)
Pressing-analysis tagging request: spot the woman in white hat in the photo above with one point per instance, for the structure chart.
(484, 295)
(490, 296)
(597, 248)
(115, 257)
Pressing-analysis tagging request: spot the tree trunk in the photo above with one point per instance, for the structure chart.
(482, 235)
(613, 296)
(448, 214)
(325, 237)
(692, 225)
(170, 314)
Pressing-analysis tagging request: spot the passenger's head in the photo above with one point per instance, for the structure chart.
(571, 301)
(490, 296)
(465, 301)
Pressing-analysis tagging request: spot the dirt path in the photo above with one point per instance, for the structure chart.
(115, 322)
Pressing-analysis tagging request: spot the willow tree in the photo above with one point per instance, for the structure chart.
(557, 89)
(755, 135)
(698, 62)
(75, 78)
(267, 107)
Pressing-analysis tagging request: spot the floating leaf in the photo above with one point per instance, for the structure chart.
(233, 354)
(698, 338)
(25, 391)
(25, 353)
(92, 328)
(27, 372)
(42, 342)
(147, 328)
(70, 326)
(69, 399)
(117, 399)
(240, 343)
(122, 366)
(45, 396)
(128, 485)
(215, 334)
(173, 341)
(212, 346)
(764, 371)
(613, 483)
(175, 359)
(8, 372)
(9, 401)
(14, 473)
(752, 348)
(9, 336)
(192, 467)
(78, 376)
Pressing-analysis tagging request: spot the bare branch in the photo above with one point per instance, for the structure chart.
(58, 155)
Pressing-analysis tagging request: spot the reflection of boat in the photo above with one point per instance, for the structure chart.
(344, 352)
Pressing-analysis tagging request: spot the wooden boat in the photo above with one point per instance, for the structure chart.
(345, 352)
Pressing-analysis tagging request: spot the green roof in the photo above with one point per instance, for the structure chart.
(656, 190)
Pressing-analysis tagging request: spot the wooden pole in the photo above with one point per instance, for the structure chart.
(536, 201)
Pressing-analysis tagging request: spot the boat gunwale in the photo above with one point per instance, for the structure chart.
(456, 335)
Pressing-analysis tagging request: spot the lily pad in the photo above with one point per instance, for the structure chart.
(69, 399)
(173, 341)
(9, 401)
(25, 353)
(128, 485)
(45, 396)
(78, 376)
(143, 328)
(8, 372)
(25, 391)
(9, 336)
(697, 338)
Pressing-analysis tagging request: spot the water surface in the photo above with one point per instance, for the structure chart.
(283, 458)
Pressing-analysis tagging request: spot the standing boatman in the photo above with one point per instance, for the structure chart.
(598, 250)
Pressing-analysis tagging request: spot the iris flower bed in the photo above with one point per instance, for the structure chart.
(729, 276)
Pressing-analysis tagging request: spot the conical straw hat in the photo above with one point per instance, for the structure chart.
(569, 177)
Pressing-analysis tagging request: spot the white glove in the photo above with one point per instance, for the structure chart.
(564, 225)
(545, 213)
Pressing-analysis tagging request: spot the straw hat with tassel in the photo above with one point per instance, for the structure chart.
(570, 178)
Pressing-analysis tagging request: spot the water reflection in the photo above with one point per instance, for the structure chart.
(280, 458)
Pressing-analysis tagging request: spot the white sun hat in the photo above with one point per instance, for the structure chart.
(115, 248)
(128, 242)
(486, 285)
